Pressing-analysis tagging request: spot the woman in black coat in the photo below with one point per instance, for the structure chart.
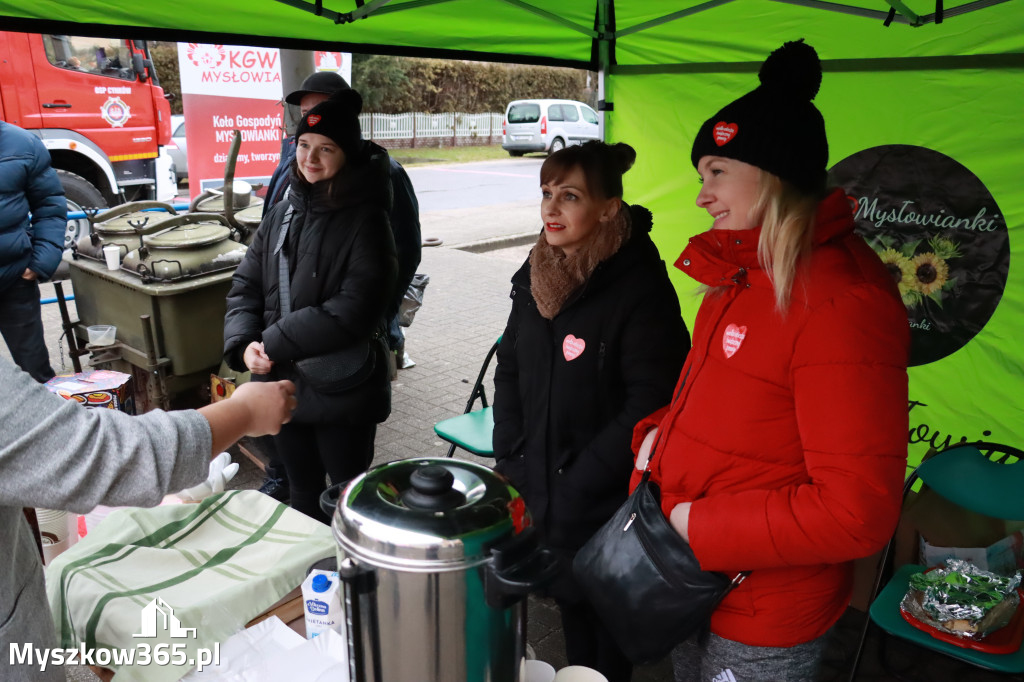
(342, 271)
(594, 343)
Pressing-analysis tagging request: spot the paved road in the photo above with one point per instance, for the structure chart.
(470, 203)
(443, 187)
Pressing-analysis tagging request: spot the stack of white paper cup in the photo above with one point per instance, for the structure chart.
(579, 673)
(58, 530)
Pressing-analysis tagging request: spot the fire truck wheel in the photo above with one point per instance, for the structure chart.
(80, 194)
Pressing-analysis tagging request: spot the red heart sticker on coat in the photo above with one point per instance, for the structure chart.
(733, 338)
(314, 119)
(572, 347)
(724, 132)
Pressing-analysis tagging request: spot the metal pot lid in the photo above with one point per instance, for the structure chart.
(188, 236)
(250, 215)
(133, 218)
(427, 514)
(213, 202)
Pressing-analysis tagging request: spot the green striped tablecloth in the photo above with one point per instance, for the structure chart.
(212, 566)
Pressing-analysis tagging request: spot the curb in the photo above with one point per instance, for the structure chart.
(495, 243)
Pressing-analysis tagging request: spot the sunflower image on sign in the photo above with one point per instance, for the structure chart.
(941, 235)
(919, 274)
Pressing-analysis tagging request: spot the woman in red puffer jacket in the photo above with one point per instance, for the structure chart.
(783, 451)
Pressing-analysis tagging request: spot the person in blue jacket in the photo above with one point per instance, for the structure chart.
(33, 219)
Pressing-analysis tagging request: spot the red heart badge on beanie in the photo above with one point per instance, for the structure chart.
(314, 119)
(733, 338)
(724, 132)
(572, 347)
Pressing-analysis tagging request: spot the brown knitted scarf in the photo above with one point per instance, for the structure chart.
(554, 277)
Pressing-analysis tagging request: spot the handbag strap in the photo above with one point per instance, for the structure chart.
(284, 288)
(739, 577)
(657, 439)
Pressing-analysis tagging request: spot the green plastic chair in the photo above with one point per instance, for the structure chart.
(987, 478)
(472, 430)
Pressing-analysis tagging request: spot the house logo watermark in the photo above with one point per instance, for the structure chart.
(158, 615)
(156, 621)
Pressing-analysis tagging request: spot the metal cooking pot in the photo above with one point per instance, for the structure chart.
(436, 557)
(193, 244)
(124, 226)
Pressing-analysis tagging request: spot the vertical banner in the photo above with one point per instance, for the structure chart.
(226, 88)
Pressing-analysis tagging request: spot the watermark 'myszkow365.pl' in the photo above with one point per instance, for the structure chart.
(157, 617)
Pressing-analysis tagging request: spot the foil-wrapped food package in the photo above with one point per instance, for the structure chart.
(962, 599)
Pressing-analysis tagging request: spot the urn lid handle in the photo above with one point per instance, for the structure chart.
(432, 490)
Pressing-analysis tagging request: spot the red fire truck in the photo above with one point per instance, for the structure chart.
(98, 107)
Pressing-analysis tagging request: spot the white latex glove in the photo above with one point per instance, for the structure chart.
(222, 470)
(644, 453)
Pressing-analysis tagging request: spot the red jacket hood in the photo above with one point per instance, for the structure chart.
(715, 255)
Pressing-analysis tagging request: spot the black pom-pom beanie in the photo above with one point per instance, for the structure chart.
(775, 127)
(338, 119)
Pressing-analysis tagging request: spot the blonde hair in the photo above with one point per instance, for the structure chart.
(787, 225)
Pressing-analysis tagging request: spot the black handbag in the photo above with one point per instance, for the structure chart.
(644, 581)
(339, 370)
(332, 372)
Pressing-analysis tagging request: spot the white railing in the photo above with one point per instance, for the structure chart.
(417, 126)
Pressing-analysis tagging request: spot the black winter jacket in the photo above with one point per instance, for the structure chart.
(343, 269)
(562, 428)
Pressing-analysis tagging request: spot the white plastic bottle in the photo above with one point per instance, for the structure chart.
(321, 603)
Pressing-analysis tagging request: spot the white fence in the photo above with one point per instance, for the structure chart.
(414, 129)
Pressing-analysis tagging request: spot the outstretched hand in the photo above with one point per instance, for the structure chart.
(257, 408)
(269, 405)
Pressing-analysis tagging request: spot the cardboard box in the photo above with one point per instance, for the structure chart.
(221, 388)
(96, 388)
(1002, 557)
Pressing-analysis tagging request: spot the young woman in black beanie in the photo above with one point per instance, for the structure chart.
(784, 448)
(593, 343)
(333, 235)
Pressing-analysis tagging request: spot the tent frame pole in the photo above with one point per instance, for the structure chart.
(905, 15)
(373, 8)
(554, 18)
(696, 9)
(604, 46)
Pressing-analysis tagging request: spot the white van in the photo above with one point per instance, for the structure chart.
(547, 125)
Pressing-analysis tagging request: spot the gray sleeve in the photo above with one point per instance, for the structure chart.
(55, 453)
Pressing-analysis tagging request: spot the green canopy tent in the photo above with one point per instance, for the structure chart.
(923, 101)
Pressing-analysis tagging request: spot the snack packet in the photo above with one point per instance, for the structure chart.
(962, 599)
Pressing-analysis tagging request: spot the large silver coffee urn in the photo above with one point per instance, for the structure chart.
(436, 556)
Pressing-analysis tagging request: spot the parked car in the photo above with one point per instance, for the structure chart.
(177, 147)
(547, 125)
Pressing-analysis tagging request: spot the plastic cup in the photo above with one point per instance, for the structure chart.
(102, 334)
(112, 254)
(579, 673)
